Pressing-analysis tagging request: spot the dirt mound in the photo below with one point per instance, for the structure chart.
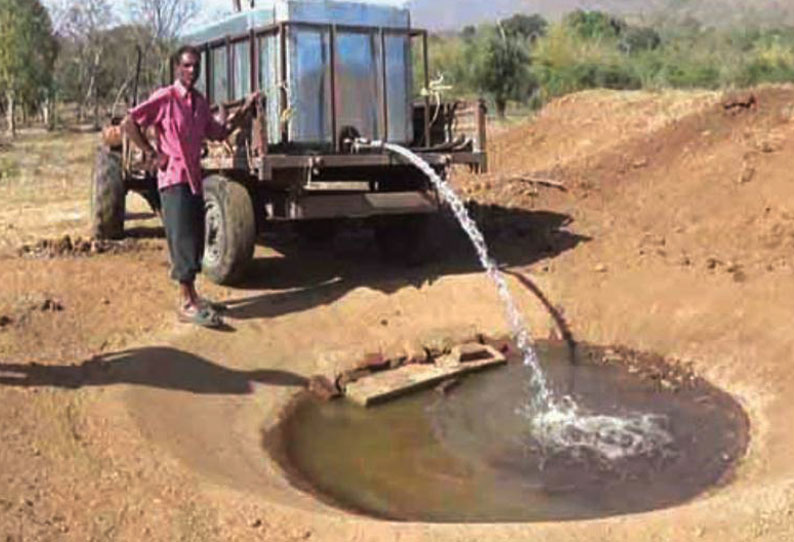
(582, 125)
(21, 311)
(698, 180)
(67, 247)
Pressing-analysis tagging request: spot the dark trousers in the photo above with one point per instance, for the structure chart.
(183, 220)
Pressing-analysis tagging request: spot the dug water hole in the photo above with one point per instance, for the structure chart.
(469, 455)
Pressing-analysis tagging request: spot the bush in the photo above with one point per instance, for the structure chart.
(594, 49)
(501, 67)
(637, 39)
(594, 24)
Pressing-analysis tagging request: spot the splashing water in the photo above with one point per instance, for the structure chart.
(557, 424)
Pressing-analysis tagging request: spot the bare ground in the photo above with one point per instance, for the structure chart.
(675, 236)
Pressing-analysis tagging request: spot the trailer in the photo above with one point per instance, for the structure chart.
(331, 73)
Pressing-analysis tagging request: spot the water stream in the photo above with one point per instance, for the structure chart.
(557, 423)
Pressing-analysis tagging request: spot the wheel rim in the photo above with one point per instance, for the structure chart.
(215, 235)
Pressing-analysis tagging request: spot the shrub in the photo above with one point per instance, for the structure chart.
(589, 49)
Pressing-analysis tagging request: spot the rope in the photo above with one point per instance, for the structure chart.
(434, 90)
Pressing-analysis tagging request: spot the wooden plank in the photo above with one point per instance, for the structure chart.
(387, 385)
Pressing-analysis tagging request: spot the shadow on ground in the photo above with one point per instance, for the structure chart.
(156, 367)
(304, 276)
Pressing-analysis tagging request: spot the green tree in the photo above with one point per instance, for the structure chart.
(161, 22)
(27, 54)
(85, 26)
(469, 32)
(502, 63)
(530, 27)
(594, 24)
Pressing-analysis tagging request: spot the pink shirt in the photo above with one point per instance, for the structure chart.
(182, 119)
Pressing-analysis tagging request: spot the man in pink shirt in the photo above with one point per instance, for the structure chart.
(181, 117)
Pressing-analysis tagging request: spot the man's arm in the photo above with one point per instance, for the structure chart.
(146, 114)
(219, 130)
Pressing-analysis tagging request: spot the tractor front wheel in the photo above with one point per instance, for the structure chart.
(107, 196)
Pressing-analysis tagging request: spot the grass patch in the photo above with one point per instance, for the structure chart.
(43, 167)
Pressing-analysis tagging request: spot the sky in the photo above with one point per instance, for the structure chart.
(211, 8)
(454, 14)
(431, 14)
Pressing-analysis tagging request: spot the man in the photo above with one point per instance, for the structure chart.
(182, 119)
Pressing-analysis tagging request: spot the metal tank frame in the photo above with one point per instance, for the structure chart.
(282, 33)
(276, 177)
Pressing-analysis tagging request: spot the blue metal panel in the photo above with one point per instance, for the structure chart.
(232, 25)
(358, 76)
(359, 67)
(349, 13)
(310, 85)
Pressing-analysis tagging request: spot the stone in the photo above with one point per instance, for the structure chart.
(471, 352)
(767, 146)
(322, 388)
(51, 305)
(397, 361)
(601, 268)
(373, 362)
(746, 175)
(82, 246)
(350, 376)
(63, 245)
(414, 353)
(734, 102)
(503, 347)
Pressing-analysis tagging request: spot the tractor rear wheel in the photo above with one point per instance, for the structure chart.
(230, 230)
(107, 196)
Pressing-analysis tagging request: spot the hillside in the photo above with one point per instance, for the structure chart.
(452, 14)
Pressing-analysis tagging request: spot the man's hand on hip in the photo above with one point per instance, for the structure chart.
(155, 160)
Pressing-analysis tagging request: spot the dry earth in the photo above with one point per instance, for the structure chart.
(675, 236)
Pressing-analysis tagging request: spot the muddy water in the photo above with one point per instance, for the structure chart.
(468, 456)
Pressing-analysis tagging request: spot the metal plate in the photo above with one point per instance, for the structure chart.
(363, 205)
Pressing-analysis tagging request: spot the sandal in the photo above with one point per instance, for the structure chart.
(200, 316)
(214, 306)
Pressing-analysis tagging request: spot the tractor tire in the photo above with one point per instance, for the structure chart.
(230, 230)
(107, 196)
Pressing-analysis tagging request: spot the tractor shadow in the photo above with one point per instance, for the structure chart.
(305, 276)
